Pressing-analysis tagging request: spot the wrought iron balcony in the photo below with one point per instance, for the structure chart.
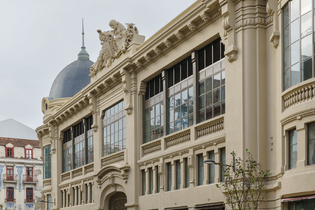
(10, 178)
(30, 179)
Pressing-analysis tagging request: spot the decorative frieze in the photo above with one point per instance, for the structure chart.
(210, 127)
(65, 176)
(113, 158)
(151, 147)
(77, 172)
(178, 138)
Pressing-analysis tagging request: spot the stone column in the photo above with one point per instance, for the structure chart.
(154, 180)
(182, 173)
(146, 171)
(217, 167)
(173, 175)
(205, 170)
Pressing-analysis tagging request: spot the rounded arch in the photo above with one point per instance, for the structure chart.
(117, 201)
(108, 192)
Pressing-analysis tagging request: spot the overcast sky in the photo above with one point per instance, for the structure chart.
(39, 38)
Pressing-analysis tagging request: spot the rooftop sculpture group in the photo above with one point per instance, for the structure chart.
(114, 43)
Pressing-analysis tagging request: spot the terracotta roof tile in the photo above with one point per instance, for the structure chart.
(19, 142)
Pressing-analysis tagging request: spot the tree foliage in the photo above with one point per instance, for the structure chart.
(244, 187)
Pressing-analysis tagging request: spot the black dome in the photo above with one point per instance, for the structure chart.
(71, 79)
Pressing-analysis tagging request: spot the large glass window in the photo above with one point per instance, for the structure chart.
(181, 110)
(212, 96)
(114, 129)
(10, 194)
(200, 169)
(292, 148)
(178, 174)
(49, 202)
(223, 162)
(298, 44)
(211, 167)
(90, 144)
(186, 173)
(154, 122)
(311, 143)
(47, 162)
(169, 176)
(210, 54)
(78, 132)
(67, 151)
(10, 172)
(179, 72)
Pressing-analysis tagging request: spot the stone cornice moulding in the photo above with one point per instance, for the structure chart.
(271, 9)
(298, 116)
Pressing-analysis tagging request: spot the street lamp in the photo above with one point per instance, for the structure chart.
(210, 162)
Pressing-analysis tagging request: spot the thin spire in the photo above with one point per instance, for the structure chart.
(83, 54)
(83, 47)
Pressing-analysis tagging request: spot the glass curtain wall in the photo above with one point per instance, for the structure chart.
(114, 129)
(298, 42)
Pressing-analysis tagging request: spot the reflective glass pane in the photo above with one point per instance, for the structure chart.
(201, 87)
(201, 115)
(184, 110)
(295, 74)
(306, 24)
(171, 116)
(209, 84)
(157, 109)
(311, 152)
(171, 128)
(295, 52)
(223, 107)
(177, 125)
(285, 16)
(306, 69)
(158, 121)
(177, 112)
(190, 107)
(184, 122)
(222, 77)
(306, 47)
(216, 95)
(209, 112)
(152, 112)
(216, 110)
(223, 93)
(190, 93)
(295, 9)
(286, 61)
(209, 99)
(216, 81)
(293, 156)
(162, 108)
(306, 5)
(190, 120)
(177, 99)
(184, 96)
(171, 102)
(295, 31)
(162, 119)
(201, 102)
(152, 124)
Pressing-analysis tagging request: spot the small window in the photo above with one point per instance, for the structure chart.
(178, 174)
(150, 181)
(292, 148)
(186, 173)
(28, 153)
(9, 152)
(143, 182)
(157, 179)
(29, 174)
(10, 194)
(10, 173)
(169, 176)
(311, 143)
(223, 162)
(200, 169)
(211, 167)
(91, 193)
(29, 194)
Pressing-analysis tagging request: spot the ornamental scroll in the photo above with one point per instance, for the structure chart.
(114, 44)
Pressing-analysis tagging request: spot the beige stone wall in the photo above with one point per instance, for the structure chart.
(258, 114)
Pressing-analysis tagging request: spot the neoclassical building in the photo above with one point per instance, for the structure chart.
(132, 130)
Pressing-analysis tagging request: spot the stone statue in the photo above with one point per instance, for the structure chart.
(114, 44)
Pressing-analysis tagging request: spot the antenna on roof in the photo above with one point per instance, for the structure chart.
(83, 54)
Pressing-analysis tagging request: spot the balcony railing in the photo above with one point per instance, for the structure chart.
(30, 179)
(9, 200)
(28, 200)
(10, 178)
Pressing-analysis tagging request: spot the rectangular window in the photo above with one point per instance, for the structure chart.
(200, 169)
(292, 148)
(157, 179)
(150, 181)
(154, 87)
(29, 174)
(77, 200)
(90, 146)
(114, 130)
(47, 163)
(86, 193)
(79, 146)
(179, 72)
(178, 174)
(49, 202)
(212, 96)
(91, 192)
(186, 172)
(10, 172)
(210, 54)
(9, 152)
(73, 195)
(181, 110)
(143, 182)
(62, 201)
(211, 167)
(67, 151)
(301, 205)
(29, 153)
(154, 122)
(169, 176)
(10, 194)
(29, 194)
(223, 162)
(311, 143)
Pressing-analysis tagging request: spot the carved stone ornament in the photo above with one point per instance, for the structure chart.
(114, 44)
(231, 53)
